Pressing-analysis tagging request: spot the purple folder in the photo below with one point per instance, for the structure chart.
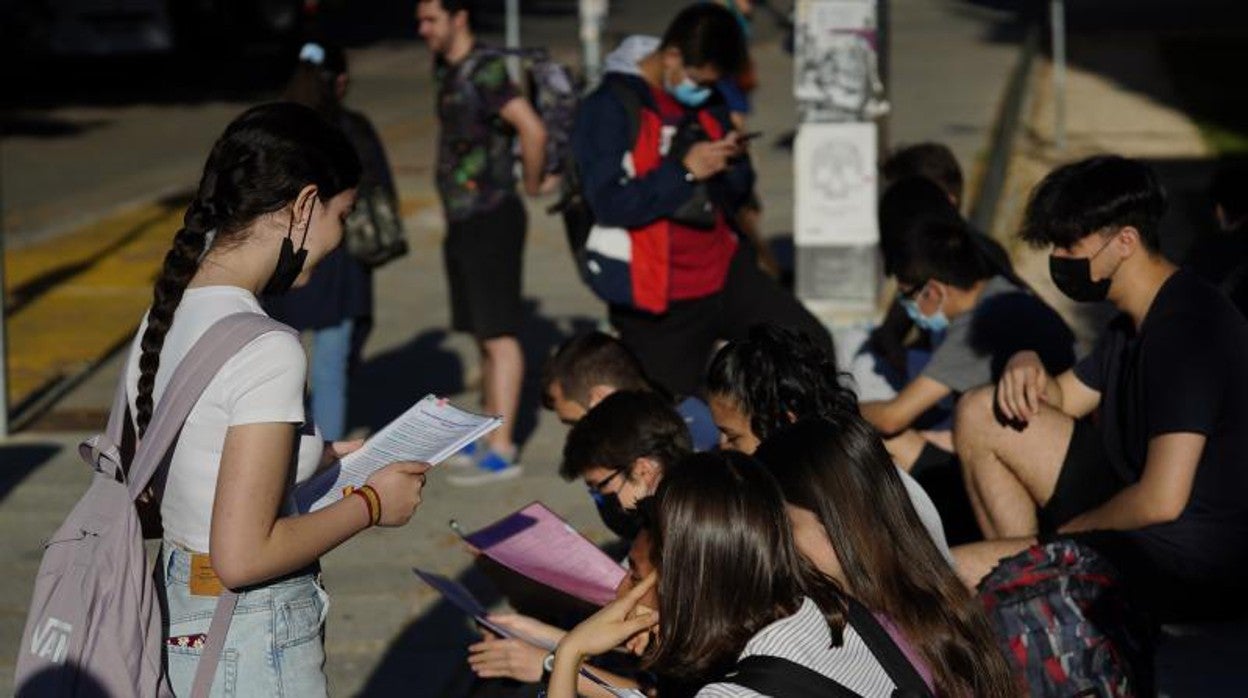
(538, 544)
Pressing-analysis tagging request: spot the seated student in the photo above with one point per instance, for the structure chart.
(774, 377)
(589, 367)
(936, 163)
(946, 286)
(1158, 484)
(515, 659)
(621, 448)
(921, 181)
(733, 591)
(883, 362)
(852, 519)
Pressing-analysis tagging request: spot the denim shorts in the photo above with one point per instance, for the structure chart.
(275, 645)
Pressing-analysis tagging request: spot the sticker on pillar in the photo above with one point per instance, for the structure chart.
(836, 63)
(836, 184)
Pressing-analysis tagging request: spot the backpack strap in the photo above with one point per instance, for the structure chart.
(903, 674)
(782, 678)
(103, 451)
(632, 107)
(214, 644)
(201, 364)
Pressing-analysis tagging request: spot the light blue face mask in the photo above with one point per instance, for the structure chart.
(689, 93)
(936, 322)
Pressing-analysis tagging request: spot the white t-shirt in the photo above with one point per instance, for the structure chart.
(262, 383)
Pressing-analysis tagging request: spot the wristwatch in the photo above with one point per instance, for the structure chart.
(548, 665)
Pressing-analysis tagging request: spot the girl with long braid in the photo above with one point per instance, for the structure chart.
(269, 206)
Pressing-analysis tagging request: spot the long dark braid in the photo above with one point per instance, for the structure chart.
(181, 262)
(258, 166)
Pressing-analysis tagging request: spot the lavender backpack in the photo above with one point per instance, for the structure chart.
(95, 626)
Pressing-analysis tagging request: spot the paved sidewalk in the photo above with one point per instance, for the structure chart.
(388, 634)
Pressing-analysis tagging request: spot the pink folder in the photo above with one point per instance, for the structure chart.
(538, 544)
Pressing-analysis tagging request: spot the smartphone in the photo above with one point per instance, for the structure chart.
(746, 138)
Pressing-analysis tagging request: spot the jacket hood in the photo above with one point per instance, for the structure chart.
(624, 58)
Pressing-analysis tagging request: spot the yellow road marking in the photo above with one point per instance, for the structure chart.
(72, 300)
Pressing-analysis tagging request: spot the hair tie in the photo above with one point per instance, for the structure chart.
(208, 238)
(313, 53)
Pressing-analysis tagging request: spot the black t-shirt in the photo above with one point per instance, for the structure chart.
(1186, 370)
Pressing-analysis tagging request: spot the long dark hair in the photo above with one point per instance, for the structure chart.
(727, 565)
(776, 375)
(839, 470)
(258, 166)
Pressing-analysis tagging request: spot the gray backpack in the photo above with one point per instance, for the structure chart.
(95, 626)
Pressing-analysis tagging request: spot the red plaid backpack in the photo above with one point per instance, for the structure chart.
(1065, 623)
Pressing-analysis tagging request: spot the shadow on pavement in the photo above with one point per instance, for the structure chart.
(384, 386)
(206, 69)
(20, 460)
(387, 384)
(1200, 43)
(539, 335)
(27, 292)
(45, 126)
(429, 658)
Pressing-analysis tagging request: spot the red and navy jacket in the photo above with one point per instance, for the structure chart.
(632, 190)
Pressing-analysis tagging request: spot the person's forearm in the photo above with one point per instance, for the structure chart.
(1127, 510)
(564, 675)
(293, 543)
(880, 414)
(533, 158)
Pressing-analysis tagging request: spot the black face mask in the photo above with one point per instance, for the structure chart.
(1073, 277)
(289, 262)
(619, 521)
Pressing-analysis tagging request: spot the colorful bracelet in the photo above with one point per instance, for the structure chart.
(372, 500)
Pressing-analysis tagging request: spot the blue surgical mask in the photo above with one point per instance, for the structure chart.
(936, 322)
(689, 93)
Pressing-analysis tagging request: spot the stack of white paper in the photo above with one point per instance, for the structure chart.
(431, 431)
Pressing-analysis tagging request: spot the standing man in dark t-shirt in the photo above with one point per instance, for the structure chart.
(481, 113)
(1159, 484)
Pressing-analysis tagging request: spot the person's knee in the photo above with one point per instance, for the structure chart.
(973, 415)
(500, 347)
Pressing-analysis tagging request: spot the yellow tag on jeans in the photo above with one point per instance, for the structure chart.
(204, 581)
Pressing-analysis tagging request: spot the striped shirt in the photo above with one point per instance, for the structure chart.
(804, 638)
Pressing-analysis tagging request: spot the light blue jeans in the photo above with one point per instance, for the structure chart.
(331, 352)
(275, 646)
